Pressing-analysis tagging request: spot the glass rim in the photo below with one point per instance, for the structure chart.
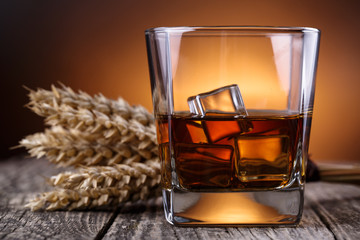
(239, 29)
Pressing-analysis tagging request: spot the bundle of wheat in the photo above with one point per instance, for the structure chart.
(111, 145)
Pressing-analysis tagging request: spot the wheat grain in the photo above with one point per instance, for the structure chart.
(70, 109)
(91, 187)
(112, 145)
(91, 119)
(73, 147)
(118, 175)
(68, 199)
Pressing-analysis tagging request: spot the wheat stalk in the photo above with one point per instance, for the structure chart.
(72, 147)
(109, 119)
(112, 145)
(97, 186)
(89, 130)
(68, 199)
(41, 99)
(132, 175)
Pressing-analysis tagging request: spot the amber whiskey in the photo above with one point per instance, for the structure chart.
(228, 152)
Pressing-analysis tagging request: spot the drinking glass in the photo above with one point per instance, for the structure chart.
(233, 109)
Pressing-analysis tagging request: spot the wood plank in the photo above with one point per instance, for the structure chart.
(141, 221)
(20, 180)
(332, 211)
(147, 221)
(338, 206)
(152, 225)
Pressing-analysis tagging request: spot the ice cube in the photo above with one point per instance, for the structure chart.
(203, 165)
(222, 100)
(188, 130)
(217, 130)
(196, 132)
(263, 158)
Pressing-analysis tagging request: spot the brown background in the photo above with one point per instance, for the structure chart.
(99, 46)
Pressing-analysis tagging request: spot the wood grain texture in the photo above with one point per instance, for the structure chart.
(338, 207)
(148, 222)
(20, 180)
(331, 211)
(319, 221)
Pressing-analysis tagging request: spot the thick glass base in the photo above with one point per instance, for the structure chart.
(255, 208)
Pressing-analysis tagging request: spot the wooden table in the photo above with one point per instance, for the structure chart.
(332, 211)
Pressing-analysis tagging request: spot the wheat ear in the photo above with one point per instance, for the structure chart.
(67, 147)
(89, 130)
(96, 186)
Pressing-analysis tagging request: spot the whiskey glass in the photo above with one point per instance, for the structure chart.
(233, 109)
